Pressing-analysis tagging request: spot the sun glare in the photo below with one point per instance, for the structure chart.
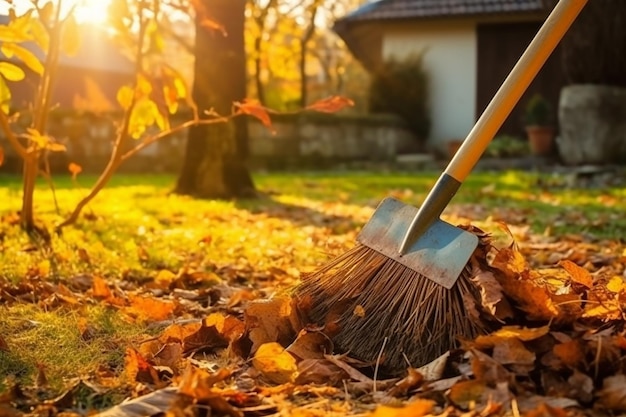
(85, 11)
(91, 11)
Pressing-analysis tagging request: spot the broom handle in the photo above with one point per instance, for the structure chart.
(522, 74)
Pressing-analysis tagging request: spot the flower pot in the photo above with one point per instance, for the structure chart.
(541, 139)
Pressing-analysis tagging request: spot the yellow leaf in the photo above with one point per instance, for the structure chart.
(40, 35)
(11, 71)
(70, 40)
(144, 114)
(144, 86)
(41, 141)
(615, 284)
(275, 363)
(125, 96)
(55, 147)
(523, 334)
(24, 55)
(5, 96)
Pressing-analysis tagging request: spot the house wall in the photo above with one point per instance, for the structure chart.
(450, 59)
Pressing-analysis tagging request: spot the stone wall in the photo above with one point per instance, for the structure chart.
(309, 140)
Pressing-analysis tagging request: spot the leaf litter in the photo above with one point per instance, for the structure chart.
(228, 340)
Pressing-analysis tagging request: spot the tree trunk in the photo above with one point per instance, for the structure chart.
(214, 164)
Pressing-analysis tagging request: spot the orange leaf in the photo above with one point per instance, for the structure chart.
(578, 274)
(100, 289)
(331, 104)
(1, 155)
(150, 308)
(570, 353)
(137, 368)
(74, 169)
(255, 109)
(416, 408)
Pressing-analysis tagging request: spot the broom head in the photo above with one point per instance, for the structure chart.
(417, 304)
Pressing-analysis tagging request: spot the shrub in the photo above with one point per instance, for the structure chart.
(401, 87)
(506, 146)
(538, 111)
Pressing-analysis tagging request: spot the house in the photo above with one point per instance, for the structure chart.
(469, 48)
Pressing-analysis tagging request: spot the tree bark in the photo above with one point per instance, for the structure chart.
(215, 155)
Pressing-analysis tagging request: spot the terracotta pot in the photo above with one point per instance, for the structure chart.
(541, 139)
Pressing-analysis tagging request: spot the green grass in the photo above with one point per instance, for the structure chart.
(136, 228)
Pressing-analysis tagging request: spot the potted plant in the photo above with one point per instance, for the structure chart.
(539, 127)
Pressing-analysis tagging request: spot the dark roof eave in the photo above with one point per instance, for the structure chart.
(361, 39)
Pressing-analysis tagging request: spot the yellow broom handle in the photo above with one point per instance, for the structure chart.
(514, 86)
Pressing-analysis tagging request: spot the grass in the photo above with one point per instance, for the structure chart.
(135, 229)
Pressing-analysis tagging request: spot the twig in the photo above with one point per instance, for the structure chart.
(11, 136)
(380, 355)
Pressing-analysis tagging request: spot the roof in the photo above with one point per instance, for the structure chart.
(412, 9)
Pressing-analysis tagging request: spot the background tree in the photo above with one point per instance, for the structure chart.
(214, 165)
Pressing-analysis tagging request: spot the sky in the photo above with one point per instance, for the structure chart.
(87, 11)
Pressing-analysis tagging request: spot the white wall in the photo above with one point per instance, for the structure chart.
(450, 59)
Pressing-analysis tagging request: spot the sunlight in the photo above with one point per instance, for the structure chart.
(86, 11)
(91, 11)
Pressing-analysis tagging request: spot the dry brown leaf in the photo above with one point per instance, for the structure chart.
(473, 393)
(413, 380)
(320, 371)
(310, 345)
(491, 294)
(275, 363)
(612, 396)
(270, 321)
(487, 370)
(511, 351)
(578, 275)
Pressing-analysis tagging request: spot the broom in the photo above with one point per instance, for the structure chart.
(404, 294)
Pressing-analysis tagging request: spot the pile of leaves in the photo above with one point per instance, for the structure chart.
(223, 347)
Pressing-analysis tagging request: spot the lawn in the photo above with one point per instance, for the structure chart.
(58, 318)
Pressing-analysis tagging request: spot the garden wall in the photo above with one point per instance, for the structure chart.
(309, 140)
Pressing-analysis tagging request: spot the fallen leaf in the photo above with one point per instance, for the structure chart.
(523, 334)
(137, 368)
(511, 351)
(571, 353)
(417, 408)
(612, 395)
(270, 321)
(320, 371)
(310, 345)
(275, 363)
(579, 275)
(413, 380)
(149, 308)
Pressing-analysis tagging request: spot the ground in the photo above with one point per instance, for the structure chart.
(152, 290)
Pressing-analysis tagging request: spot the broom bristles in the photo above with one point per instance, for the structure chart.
(367, 297)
